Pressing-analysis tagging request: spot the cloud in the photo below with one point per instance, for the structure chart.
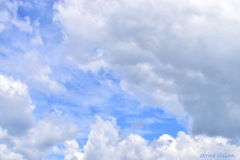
(34, 70)
(9, 16)
(16, 108)
(181, 56)
(37, 40)
(22, 136)
(36, 144)
(106, 141)
(40, 73)
(71, 150)
(7, 154)
(2, 27)
(24, 54)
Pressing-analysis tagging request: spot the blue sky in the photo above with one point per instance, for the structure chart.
(149, 79)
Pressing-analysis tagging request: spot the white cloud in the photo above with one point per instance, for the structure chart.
(37, 40)
(93, 62)
(105, 141)
(47, 133)
(151, 88)
(30, 65)
(15, 108)
(71, 151)
(9, 16)
(23, 25)
(7, 154)
(40, 73)
(21, 135)
(2, 27)
(178, 55)
(34, 69)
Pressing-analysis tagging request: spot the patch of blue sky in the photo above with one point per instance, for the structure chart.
(54, 157)
(29, 9)
(149, 122)
(88, 95)
(84, 90)
(36, 10)
(157, 123)
(42, 12)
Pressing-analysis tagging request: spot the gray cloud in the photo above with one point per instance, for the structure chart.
(16, 108)
(181, 56)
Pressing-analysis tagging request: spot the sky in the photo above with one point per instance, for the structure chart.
(119, 79)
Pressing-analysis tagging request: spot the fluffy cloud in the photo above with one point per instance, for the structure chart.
(71, 151)
(15, 108)
(181, 56)
(21, 135)
(7, 154)
(36, 144)
(106, 141)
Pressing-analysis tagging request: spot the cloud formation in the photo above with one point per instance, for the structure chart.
(15, 108)
(23, 51)
(106, 141)
(9, 18)
(21, 135)
(181, 56)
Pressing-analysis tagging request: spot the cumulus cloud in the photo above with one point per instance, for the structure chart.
(106, 141)
(71, 151)
(181, 56)
(21, 135)
(7, 154)
(36, 144)
(15, 108)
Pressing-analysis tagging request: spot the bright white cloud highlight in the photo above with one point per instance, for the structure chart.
(71, 151)
(106, 141)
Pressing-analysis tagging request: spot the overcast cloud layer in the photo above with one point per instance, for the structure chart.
(157, 65)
